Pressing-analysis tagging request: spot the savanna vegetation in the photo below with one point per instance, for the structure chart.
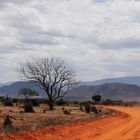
(29, 111)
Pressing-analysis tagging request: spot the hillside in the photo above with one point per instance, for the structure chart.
(12, 89)
(127, 80)
(108, 91)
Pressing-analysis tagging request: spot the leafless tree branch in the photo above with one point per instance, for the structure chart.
(52, 74)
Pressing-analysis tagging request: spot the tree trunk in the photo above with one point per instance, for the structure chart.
(51, 104)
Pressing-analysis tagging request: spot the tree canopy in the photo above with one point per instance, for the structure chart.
(96, 98)
(27, 93)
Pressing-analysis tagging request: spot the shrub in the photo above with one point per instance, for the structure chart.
(63, 108)
(86, 102)
(100, 110)
(60, 102)
(2, 98)
(8, 102)
(7, 121)
(67, 112)
(96, 98)
(44, 111)
(35, 102)
(15, 100)
(81, 108)
(87, 108)
(76, 102)
(112, 102)
(43, 101)
(94, 109)
(28, 107)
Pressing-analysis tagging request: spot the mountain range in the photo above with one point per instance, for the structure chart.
(114, 91)
(125, 88)
(12, 89)
(135, 80)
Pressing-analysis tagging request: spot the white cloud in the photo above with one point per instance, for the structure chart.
(99, 38)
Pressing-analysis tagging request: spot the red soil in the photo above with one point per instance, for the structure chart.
(117, 127)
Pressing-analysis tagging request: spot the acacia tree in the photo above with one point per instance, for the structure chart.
(96, 98)
(27, 93)
(52, 74)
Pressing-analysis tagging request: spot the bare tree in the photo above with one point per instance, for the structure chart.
(53, 76)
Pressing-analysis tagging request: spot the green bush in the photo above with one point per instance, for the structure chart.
(35, 102)
(28, 107)
(81, 108)
(8, 102)
(87, 108)
(67, 112)
(15, 100)
(76, 102)
(43, 101)
(60, 102)
(96, 98)
(2, 98)
(94, 109)
(112, 102)
(85, 103)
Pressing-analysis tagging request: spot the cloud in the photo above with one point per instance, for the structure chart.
(129, 43)
(98, 38)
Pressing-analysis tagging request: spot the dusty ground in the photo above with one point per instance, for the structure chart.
(117, 127)
(32, 121)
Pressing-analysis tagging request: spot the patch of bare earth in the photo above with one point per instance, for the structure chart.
(39, 119)
(83, 130)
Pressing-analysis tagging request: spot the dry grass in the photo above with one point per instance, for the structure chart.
(39, 119)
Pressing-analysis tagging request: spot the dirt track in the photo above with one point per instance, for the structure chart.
(118, 127)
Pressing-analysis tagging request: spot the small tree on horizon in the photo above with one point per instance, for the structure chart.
(52, 75)
(96, 98)
(27, 93)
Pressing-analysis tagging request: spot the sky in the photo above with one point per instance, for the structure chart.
(97, 38)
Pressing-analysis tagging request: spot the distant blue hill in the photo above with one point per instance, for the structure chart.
(113, 88)
(115, 91)
(127, 80)
(13, 88)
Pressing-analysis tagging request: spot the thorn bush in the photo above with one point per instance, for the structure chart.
(67, 112)
(94, 109)
(87, 108)
(28, 107)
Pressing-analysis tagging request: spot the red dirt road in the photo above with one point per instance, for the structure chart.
(118, 127)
